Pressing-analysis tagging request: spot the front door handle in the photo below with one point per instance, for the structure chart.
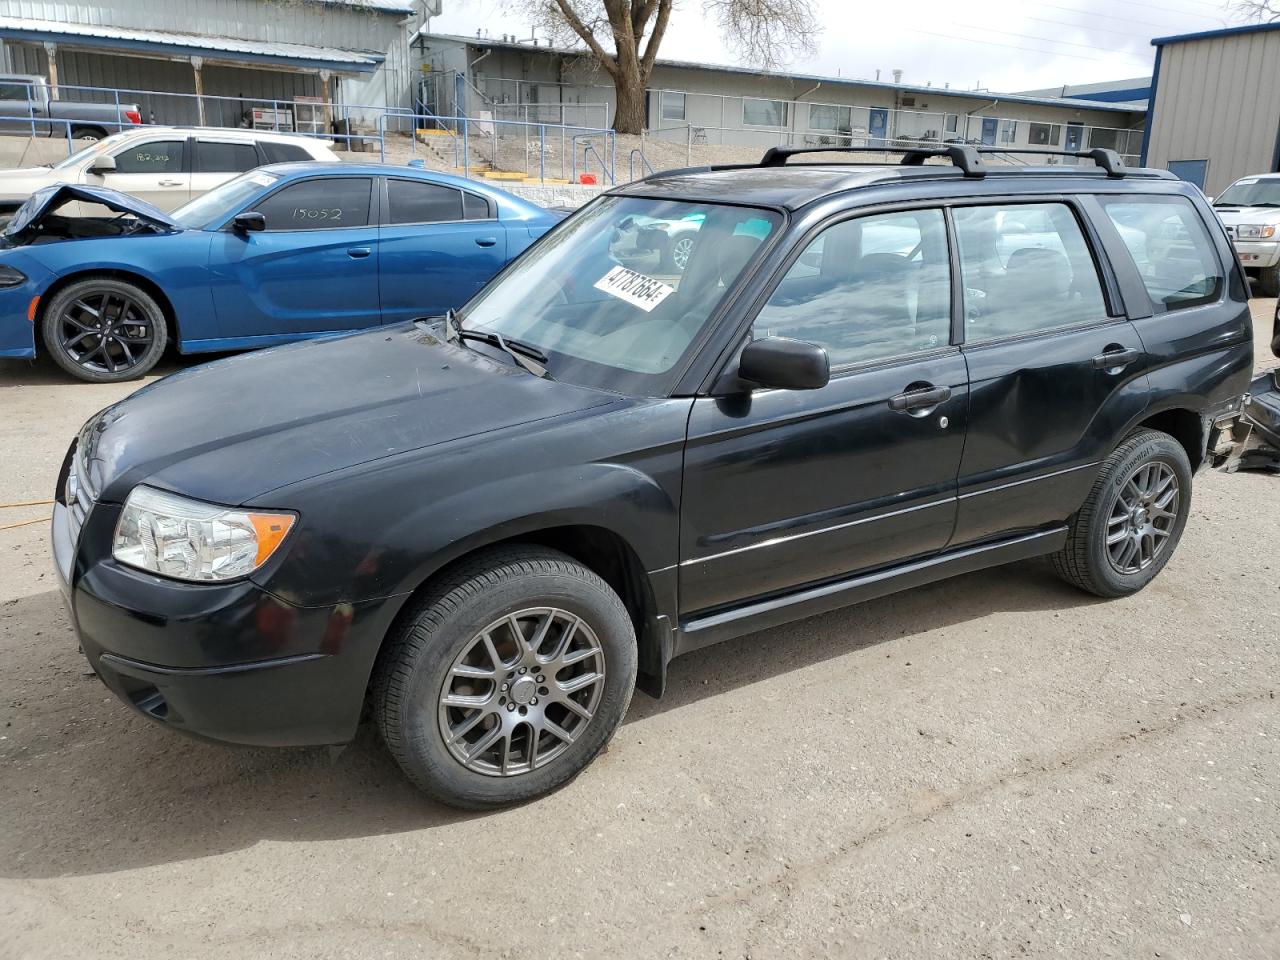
(1116, 358)
(486, 241)
(920, 401)
(359, 253)
(170, 183)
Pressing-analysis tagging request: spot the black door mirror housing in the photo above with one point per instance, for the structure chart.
(246, 222)
(780, 363)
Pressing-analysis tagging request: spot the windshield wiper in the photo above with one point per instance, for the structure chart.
(525, 355)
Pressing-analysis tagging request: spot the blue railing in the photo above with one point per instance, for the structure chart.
(637, 153)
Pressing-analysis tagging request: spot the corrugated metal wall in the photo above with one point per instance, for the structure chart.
(1218, 100)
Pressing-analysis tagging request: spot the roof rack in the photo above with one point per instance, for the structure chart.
(963, 155)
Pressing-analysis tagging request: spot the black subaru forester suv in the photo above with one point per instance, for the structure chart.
(488, 528)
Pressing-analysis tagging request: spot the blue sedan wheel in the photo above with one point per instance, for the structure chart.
(104, 330)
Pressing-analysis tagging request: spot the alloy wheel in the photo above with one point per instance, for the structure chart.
(522, 691)
(107, 332)
(680, 252)
(1143, 517)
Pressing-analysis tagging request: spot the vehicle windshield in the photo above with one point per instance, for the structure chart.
(214, 206)
(619, 294)
(102, 146)
(1251, 192)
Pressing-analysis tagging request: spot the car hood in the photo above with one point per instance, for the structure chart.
(1234, 216)
(232, 430)
(52, 197)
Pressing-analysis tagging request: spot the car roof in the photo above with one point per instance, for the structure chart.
(357, 168)
(793, 186)
(151, 129)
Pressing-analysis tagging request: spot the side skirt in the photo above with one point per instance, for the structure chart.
(713, 628)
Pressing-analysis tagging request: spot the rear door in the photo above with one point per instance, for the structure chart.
(157, 171)
(439, 245)
(218, 159)
(1055, 369)
(313, 269)
(784, 488)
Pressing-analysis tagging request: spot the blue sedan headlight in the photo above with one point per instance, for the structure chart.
(11, 277)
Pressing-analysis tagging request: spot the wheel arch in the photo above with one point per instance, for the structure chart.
(143, 282)
(1184, 425)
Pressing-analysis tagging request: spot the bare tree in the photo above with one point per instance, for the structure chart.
(623, 37)
(1258, 11)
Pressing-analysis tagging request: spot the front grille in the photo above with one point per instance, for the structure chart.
(77, 495)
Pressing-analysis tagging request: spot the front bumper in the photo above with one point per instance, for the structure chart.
(227, 662)
(1257, 254)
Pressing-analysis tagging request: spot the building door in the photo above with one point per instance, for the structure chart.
(877, 127)
(989, 127)
(1192, 171)
(1075, 136)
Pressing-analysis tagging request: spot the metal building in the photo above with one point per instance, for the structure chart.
(298, 52)
(1215, 105)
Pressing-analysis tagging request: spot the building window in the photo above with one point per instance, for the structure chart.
(826, 116)
(764, 113)
(1045, 134)
(953, 123)
(1008, 131)
(672, 105)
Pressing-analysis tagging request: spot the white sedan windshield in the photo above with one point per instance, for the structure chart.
(620, 293)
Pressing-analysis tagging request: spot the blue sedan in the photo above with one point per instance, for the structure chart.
(104, 281)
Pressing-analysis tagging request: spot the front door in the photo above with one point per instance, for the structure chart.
(877, 126)
(785, 488)
(313, 269)
(1054, 371)
(1075, 136)
(439, 245)
(989, 127)
(156, 171)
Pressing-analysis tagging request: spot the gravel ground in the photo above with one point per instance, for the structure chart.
(996, 766)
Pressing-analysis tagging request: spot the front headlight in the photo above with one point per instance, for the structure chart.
(1252, 231)
(185, 539)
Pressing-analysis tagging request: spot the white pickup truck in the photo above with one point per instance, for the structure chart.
(28, 109)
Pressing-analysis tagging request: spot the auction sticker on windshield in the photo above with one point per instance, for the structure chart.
(635, 288)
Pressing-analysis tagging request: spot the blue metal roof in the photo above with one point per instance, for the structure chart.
(191, 44)
(1214, 34)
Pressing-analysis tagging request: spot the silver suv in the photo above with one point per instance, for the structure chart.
(1250, 210)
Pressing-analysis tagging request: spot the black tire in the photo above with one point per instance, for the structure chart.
(419, 658)
(135, 339)
(88, 133)
(1086, 560)
(1268, 283)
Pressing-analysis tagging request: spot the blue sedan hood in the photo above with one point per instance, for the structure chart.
(48, 199)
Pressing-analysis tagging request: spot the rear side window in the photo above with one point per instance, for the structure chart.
(155, 156)
(214, 157)
(413, 201)
(1172, 250)
(477, 208)
(326, 203)
(1026, 267)
(284, 152)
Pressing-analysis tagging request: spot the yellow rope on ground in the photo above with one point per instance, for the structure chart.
(26, 503)
(25, 523)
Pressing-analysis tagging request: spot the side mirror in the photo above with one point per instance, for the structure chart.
(248, 222)
(103, 165)
(783, 364)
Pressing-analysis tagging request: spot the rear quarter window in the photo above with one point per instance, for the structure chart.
(1171, 248)
(284, 152)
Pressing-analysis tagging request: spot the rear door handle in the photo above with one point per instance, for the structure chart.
(486, 241)
(922, 399)
(1116, 359)
(358, 253)
(170, 183)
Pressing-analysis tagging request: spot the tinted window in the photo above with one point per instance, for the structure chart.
(15, 91)
(213, 157)
(1025, 268)
(867, 289)
(157, 156)
(477, 208)
(1171, 248)
(284, 152)
(413, 201)
(323, 204)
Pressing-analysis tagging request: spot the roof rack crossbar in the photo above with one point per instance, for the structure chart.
(961, 155)
(1106, 158)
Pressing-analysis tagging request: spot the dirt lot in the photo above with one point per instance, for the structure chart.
(994, 766)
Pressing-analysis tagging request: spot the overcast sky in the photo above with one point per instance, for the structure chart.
(1003, 45)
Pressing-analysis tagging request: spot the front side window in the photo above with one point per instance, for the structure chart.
(620, 294)
(672, 105)
(1026, 267)
(412, 201)
(324, 203)
(764, 113)
(222, 157)
(826, 116)
(1171, 248)
(15, 91)
(867, 289)
(155, 156)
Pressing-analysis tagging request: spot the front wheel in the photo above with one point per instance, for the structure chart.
(1132, 520)
(104, 331)
(507, 679)
(1268, 284)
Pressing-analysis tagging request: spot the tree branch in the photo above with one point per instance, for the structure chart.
(582, 30)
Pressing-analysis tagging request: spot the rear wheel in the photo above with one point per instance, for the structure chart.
(88, 133)
(104, 331)
(507, 679)
(1132, 520)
